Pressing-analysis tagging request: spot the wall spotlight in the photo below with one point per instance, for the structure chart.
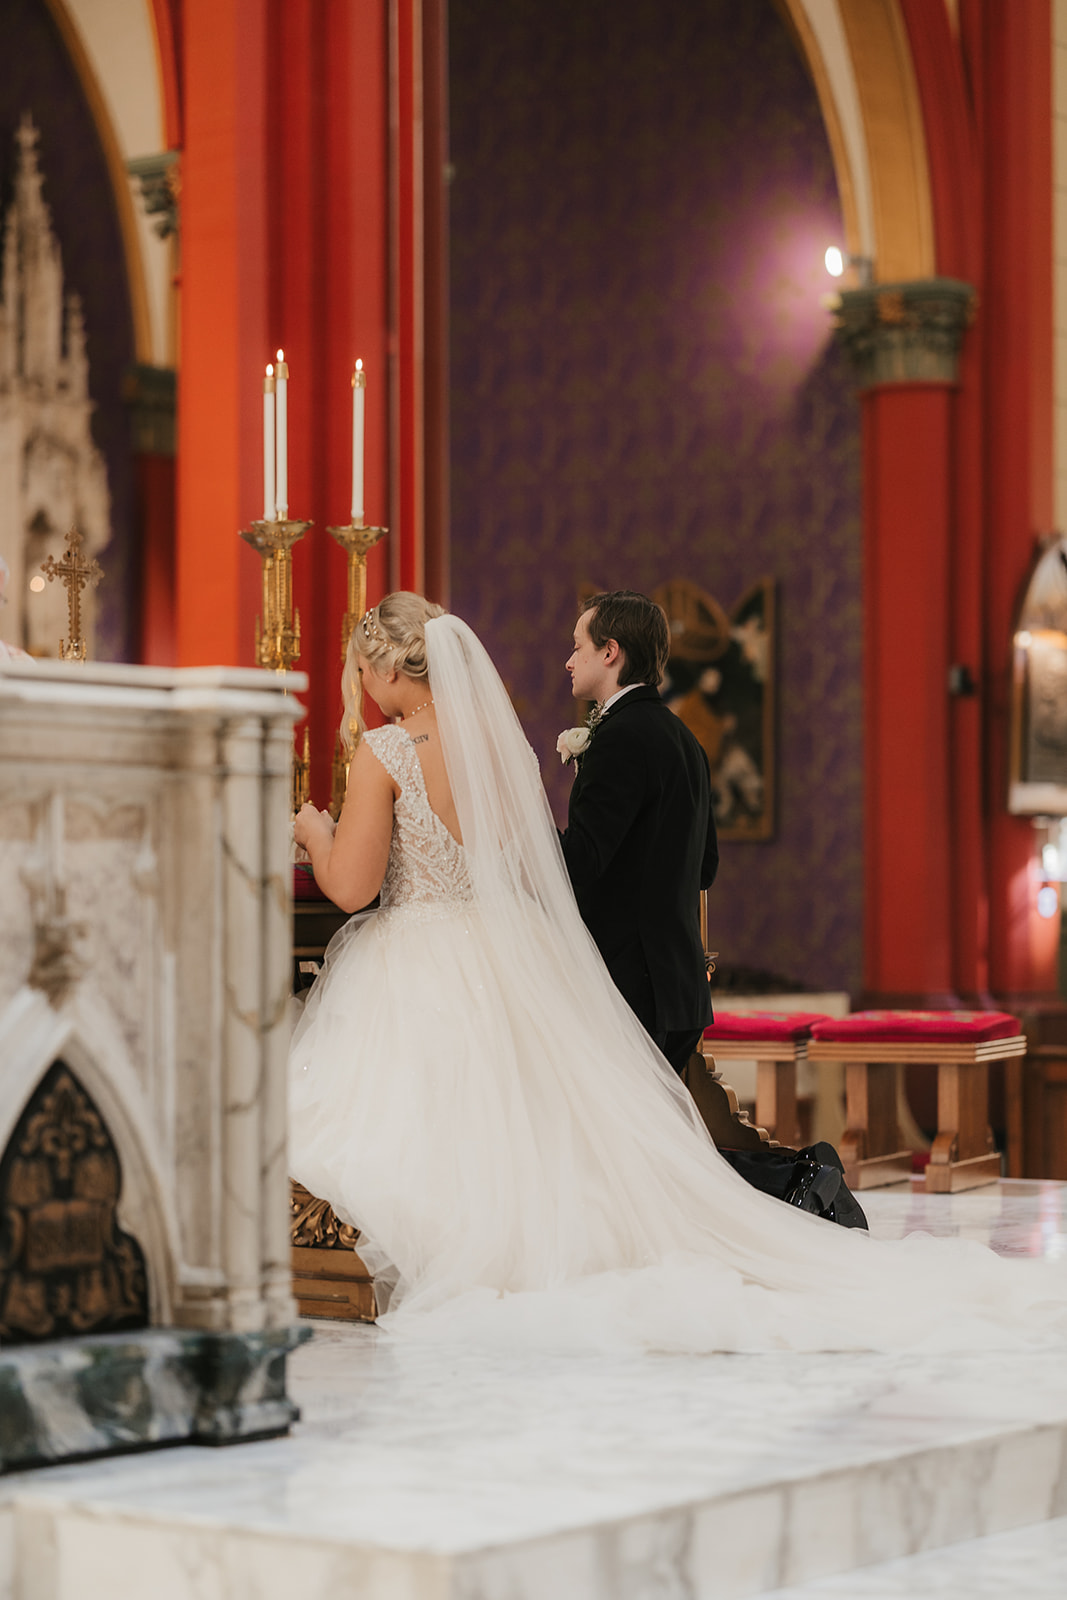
(837, 260)
(1048, 901)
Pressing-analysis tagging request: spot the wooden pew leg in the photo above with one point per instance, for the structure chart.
(871, 1149)
(776, 1100)
(962, 1156)
(716, 1101)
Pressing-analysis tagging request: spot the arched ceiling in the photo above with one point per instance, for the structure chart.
(857, 51)
(860, 61)
(113, 46)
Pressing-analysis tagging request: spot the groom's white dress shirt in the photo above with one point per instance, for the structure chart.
(617, 696)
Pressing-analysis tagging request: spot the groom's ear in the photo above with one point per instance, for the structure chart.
(612, 652)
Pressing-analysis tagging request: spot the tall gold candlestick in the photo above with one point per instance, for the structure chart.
(300, 791)
(278, 630)
(356, 539)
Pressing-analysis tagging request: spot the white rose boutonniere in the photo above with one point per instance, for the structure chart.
(572, 742)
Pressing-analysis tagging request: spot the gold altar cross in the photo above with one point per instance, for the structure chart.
(75, 572)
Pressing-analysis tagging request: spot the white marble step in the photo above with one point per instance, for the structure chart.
(425, 1474)
(1030, 1564)
(591, 1480)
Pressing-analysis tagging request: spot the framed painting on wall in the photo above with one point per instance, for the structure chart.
(1037, 784)
(720, 682)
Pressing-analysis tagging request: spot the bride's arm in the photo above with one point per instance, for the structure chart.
(349, 864)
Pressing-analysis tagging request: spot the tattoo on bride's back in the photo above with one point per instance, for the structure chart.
(419, 738)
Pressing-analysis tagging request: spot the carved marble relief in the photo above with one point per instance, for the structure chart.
(52, 476)
(66, 1267)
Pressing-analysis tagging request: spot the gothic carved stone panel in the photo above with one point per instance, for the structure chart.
(52, 474)
(66, 1267)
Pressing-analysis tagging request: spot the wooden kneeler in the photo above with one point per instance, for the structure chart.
(776, 1041)
(330, 1279)
(728, 1125)
(875, 1046)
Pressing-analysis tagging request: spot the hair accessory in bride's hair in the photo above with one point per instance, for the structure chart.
(369, 625)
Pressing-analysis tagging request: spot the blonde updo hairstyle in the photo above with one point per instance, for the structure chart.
(392, 637)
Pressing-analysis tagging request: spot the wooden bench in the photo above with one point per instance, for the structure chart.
(776, 1041)
(874, 1046)
(330, 1278)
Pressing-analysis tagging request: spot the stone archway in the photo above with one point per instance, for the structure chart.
(860, 61)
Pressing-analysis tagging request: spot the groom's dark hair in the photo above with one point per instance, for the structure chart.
(638, 626)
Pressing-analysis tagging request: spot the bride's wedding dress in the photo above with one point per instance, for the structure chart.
(469, 1089)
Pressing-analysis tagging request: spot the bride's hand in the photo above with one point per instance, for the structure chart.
(309, 823)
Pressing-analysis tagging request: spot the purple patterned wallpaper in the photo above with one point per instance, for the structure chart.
(36, 75)
(643, 388)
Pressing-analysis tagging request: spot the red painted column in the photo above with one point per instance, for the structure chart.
(166, 20)
(907, 511)
(303, 229)
(156, 520)
(327, 298)
(1010, 57)
(952, 127)
(418, 334)
(223, 328)
(435, 294)
(407, 304)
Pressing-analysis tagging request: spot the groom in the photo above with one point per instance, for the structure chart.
(640, 839)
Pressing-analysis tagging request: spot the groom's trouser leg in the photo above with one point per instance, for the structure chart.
(678, 1047)
(637, 991)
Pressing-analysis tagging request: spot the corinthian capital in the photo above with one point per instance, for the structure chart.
(905, 332)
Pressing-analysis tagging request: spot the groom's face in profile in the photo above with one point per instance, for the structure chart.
(587, 665)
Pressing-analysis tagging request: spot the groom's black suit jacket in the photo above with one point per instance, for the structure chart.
(639, 846)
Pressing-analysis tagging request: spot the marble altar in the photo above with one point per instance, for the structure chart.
(144, 975)
(424, 1473)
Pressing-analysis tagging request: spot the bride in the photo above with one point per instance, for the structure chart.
(470, 1090)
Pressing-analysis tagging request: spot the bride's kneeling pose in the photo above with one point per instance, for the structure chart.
(469, 1088)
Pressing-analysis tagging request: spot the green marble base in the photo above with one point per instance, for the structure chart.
(113, 1392)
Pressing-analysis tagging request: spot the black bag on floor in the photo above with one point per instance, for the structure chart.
(811, 1179)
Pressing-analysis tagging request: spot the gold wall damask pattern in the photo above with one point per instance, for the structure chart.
(644, 390)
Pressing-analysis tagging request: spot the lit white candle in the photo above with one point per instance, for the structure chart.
(359, 393)
(281, 380)
(269, 501)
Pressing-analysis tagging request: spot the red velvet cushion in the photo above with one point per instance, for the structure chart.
(763, 1024)
(935, 1027)
(304, 885)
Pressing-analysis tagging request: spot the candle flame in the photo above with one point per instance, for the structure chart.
(359, 366)
(281, 355)
(270, 369)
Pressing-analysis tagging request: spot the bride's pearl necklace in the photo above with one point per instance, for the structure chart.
(417, 709)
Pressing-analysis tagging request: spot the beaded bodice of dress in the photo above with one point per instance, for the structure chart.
(426, 865)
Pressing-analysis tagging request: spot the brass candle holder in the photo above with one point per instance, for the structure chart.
(357, 540)
(300, 783)
(75, 573)
(277, 640)
(278, 631)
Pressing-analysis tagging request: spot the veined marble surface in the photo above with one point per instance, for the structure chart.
(1030, 1564)
(1016, 1217)
(427, 1473)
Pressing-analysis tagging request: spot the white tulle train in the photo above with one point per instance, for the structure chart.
(469, 1089)
(515, 1179)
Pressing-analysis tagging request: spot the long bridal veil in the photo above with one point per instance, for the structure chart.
(590, 1205)
(514, 856)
